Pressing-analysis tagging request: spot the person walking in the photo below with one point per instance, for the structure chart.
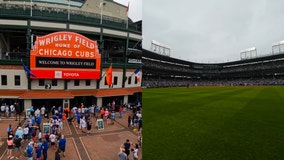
(3, 107)
(9, 128)
(38, 151)
(120, 111)
(113, 115)
(10, 146)
(135, 152)
(121, 154)
(29, 151)
(102, 112)
(42, 111)
(78, 117)
(140, 124)
(89, 126)
(97, 110)
(44, 148)
(106, 113)
(129, 120)
(7, 111)
(52, 139)
(26, 133)
(62, 144)
(83, 124)
(126, 146)
(57, 154)
(20, 132)
(17, 143)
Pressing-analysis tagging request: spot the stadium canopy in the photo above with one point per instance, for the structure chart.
(76, 3)
(153, 55)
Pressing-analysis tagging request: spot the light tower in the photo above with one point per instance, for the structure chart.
(278, 47)
(160, 48)
(248, 53)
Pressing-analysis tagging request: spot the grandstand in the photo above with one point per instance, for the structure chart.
(164, 71)
(104, 22)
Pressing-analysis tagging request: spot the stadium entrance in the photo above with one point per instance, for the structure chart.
(109, 100)
(47, 103)
(86, 100)
(18, 103)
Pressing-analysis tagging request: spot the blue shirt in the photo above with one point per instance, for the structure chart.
(38, 152)
(9, 129)
(97, 109)
(113, 115)
(62, 143)
(78, 117)
(29, 151)
(39, 144)
(39, 119)
(44, 146)
(60, 115)
(19, 133)
(54, 117)
(33, 120)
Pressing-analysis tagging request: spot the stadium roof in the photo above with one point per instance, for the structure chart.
(153, 55)
(77, 3)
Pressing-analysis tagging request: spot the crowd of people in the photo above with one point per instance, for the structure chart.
(7, 110)
(181, 82)
(170, 72)
(34, 140)
(126, 148)
(129, 150)
(55, 10)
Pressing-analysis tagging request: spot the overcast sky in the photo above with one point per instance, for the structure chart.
(213, 31)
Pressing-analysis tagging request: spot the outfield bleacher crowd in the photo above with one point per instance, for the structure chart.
(164, 71)
(159, 83)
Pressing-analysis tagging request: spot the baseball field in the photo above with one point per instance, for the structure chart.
(213, 123)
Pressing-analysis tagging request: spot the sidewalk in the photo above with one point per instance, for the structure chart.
(100, 145)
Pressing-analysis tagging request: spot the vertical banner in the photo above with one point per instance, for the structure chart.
(109, 76)
(65, 55)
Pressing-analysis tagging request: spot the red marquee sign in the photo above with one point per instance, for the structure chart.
(65, 55)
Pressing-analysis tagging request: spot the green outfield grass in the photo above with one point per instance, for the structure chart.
(213, 123)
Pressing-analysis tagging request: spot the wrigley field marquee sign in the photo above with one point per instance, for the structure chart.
(65, 55)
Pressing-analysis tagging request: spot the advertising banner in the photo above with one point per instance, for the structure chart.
(65, 55)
